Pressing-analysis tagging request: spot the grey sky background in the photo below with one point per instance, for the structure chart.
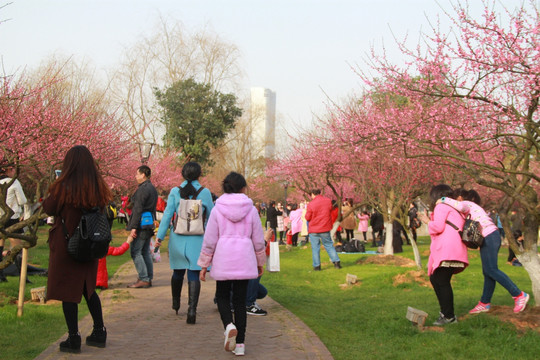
(301, 49)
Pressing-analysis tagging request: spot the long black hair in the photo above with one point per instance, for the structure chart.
(81, 183)
(190, 172)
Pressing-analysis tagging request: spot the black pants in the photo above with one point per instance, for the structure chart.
(413, 232)
(350, 234)
(295, 239)
(440, 279)
(380, 236)
(223, 298)
(71, 312)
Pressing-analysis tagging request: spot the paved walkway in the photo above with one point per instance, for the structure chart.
(141, 325)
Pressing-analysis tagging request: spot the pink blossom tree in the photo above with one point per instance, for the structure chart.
(472, 104)
(343, 156)
(38, 128)
(383, 175)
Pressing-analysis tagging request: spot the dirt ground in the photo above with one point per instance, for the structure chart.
(528, 319)
(387, 260)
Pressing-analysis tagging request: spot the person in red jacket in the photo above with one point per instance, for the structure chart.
(319, 216)
(102, 281)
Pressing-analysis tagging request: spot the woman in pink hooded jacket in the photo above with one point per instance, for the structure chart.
(489, 252)
(448, 254)
(234, 246)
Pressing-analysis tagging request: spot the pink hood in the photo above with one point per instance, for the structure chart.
(234, 207)
(233, 239)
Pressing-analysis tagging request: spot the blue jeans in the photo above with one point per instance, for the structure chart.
(316, 239)
(255, 290)
(492, 274)
(140, 253)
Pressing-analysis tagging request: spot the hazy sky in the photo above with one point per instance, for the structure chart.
(301, 49)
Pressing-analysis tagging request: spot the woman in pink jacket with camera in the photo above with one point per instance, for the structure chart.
(234, 246)
(448, 254)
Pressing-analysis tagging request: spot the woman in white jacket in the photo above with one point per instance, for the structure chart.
(16, 200)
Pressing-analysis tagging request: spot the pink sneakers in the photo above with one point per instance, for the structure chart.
(520, 302)
(480, 308)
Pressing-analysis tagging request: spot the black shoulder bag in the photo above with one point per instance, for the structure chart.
(471, 235)
(91, 238)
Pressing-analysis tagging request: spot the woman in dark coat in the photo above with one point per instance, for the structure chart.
(271, 216)
(397, 240)
(79, 187)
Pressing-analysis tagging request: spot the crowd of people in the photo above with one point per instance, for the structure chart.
(233, 245)
(233, 230)
(290, 223)
(448, 254)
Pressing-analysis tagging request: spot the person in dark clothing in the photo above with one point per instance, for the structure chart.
(512, 259)
(80, 186)
(271, 216)
(516, 220)
(397, 241)
(144, 200)
(377, 226)
(414, 223)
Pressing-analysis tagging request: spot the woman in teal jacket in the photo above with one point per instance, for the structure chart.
(184, 250)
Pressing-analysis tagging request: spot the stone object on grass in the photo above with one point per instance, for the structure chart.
(417, 317)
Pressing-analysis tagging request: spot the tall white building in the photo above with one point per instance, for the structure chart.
(263, 113)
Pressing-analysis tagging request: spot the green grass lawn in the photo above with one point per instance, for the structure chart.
(362, 321)
(368, 320)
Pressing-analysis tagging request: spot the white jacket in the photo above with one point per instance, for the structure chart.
(15, 197)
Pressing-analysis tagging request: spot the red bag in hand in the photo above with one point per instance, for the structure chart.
(268, 244)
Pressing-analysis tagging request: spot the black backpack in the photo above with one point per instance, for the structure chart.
(350, 247)
(359, 245)
(91, 238)
(471, 235)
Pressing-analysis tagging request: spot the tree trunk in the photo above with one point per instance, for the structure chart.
(531, 263)
(529, 257)
(388, 238)
(416, 253)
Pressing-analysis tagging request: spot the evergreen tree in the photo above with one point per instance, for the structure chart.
(196, 118)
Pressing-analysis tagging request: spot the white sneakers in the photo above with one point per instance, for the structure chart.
(230, 337)
(230, 341)
(240, 350)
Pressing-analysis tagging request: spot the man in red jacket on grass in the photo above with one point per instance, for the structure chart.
(320, 223)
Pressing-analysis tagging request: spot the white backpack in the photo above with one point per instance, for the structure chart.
(189, 216)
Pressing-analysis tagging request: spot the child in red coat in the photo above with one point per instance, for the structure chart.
(102, 281)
